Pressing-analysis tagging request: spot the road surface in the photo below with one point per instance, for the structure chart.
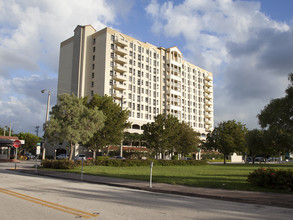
(24, 196)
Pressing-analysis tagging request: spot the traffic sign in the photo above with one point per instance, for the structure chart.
(16, 143)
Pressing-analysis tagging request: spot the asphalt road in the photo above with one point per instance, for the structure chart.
(24, 196)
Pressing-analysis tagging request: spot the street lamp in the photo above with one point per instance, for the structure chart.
(45, 125)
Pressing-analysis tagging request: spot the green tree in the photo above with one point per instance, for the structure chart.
(30, 139)
(255, 143)
(162, 135)
(228, 137)
(188, 140)
(72, 121)
(114, 125)
(277, 119)
(132, 139)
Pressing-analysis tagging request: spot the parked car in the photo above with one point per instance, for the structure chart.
(80, 157)
(62, 156)
(259, 159)
(118, 158)
(29, 156)
(249, 159)
(187, 158)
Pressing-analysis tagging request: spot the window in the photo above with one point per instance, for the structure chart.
(94, 40)
(111, 72)
(94, 58)
(112, 46)
(112, 37)
(112, 55)
(93, 84)
(94, 49)
(93, 75)
(92, 93)
(93, 66)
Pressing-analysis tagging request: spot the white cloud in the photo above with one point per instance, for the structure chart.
(30, 34)
(248, 52)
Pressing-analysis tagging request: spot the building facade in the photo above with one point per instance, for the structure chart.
(143, 78)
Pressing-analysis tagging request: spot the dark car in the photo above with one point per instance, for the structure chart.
(80, 157)
(117, 158)
(259, 159)
(29, 156)
(62, 157)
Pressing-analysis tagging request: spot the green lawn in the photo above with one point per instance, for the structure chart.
(230, 176)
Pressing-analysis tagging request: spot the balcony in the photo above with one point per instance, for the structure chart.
(174, 107)
(174, 92)
(208, 103)
(120, 50)
(121, 42)
(175, 70)
(120, 59)
(117, 96)
(174, 62)
(119, 86)
(207, 115)
(208, 122)
(208, 84)
(208, 78)
(208, 109)
(207, 96)
(119, 77)
(174, 77)
(120, 68)
(208, 90)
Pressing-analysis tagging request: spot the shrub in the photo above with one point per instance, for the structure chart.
(58, 164)
(128, 163)
(271, 178)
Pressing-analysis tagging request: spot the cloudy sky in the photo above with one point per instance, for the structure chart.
(248, 45)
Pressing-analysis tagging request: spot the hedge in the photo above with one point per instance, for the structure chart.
(68, 164)
(271, 178)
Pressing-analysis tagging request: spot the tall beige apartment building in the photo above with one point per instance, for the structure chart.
(146, 79)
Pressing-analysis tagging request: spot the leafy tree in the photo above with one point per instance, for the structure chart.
(277, 141)
(132, 138)
(277, 119)
(114, 125)
(31, 140)
(279, 112)
(188, 140)
(255, 143)
(72, 121)
(163, 134)
(227, 137)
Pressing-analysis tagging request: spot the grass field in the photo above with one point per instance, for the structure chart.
(230, 176)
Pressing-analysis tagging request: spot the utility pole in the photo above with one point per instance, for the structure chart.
(121, 143)
(37, 130)
(10, 129)
(45, 125)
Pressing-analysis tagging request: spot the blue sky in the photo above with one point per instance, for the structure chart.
(246, 44)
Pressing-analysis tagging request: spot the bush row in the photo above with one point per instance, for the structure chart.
(59, 164)
(271, 178)
(67, 164)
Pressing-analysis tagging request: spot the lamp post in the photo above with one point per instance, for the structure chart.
(45, 125)
(121, 143)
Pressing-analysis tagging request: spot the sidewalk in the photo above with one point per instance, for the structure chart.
(260, 198)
